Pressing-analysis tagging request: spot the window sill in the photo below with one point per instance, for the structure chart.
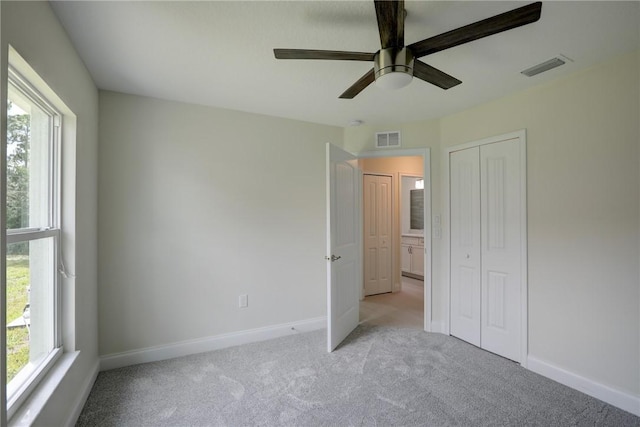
(27, 413)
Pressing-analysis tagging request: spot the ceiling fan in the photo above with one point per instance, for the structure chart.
(395, 64)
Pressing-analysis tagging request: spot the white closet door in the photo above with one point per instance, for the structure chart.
(377, 237)
(465, 244)
(500, 184)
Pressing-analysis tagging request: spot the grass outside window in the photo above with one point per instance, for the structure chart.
(17, 298)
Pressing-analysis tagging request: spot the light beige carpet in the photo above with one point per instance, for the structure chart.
(403, 309)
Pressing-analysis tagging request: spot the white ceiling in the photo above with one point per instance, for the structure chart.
(221, 53)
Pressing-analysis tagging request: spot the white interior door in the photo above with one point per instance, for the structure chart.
(500, 178)
(377, 234)
(344, 268)
(465, 244)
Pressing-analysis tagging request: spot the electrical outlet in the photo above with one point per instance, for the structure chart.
(243, 301)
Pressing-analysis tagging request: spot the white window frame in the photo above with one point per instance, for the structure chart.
(26, 381)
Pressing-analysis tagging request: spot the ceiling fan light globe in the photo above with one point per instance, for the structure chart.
(393, 68)
(393, 80)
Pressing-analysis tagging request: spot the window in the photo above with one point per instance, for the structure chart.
(33, 238)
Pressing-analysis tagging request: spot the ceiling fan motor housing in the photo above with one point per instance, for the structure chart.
(393, 67)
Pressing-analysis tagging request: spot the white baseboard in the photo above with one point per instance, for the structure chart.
(437, 326)
(201, 345)
(620, 399)
(76, 409)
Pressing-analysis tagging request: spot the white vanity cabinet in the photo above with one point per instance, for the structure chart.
(412, 259)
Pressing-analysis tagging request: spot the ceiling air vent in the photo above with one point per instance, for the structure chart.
(388, 139)
(545, 66)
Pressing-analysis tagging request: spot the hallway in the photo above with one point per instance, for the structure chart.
(403, 309)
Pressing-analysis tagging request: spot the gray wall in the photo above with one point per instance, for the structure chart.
(199, 205)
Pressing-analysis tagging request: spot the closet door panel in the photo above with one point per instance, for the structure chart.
(500, 183)
(465, 245)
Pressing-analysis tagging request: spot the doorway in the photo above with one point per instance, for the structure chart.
(403, 303)
(344, 213)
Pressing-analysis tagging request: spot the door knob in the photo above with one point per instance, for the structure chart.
(333, 258)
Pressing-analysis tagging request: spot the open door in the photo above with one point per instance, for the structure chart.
(344, 268)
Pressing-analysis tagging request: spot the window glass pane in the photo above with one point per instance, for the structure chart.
(30, 306)
(29, 132)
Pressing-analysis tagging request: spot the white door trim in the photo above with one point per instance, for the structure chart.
(446, 248)
(426, 171)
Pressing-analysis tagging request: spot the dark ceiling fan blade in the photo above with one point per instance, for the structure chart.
(433, 75)
(494, 25)
(359, 86)
(322, 54)
(390, 16)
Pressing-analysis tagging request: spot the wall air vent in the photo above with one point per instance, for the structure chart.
(388, 139)
(546, 66)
